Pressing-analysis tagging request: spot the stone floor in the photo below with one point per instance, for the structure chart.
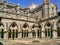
(35, 42)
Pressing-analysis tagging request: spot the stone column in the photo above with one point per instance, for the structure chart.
(55, 30)
(36, 31)
(43, 34)
(19, 35)
(43, 31)
(54, 34)
(6, 35)
(29, 35)
(6, 31)
(20, 32)
(30, 32)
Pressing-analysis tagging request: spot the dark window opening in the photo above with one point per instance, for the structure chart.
(39, 33)
(24, 33)
(9, 34)
(58, 31)
(2, 33)
(16, 33)
(33, 33)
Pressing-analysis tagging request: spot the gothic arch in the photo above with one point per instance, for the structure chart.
(13, 24)
(39, 26)
(1, 30)
(13, 31)
(25, 25)
(33, 26)
(39, 31)
(25, 30)
(48, 29)
(48, 24)
(33, 31)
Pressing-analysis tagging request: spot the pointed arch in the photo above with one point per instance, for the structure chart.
(25, 31)
(39, 31)
(39, 26)
(48, 29)
(25, 25)
(33, 31)
(48, 24)
(33, 26)
(1, 30)
(13, 31)
(13, 24)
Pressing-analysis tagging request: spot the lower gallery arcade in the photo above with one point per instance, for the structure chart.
(37, 32)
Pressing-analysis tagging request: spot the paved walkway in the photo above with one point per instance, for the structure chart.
(35, 42)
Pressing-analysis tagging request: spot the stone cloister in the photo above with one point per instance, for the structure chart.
(43, 30)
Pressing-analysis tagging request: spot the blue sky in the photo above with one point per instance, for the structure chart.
(26, 3)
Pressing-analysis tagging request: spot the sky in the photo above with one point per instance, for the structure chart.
(26, 3)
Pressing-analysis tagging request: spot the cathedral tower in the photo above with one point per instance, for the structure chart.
(46, 7)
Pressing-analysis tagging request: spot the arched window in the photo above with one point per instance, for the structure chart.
(33, 31)
(25, 30)
(48, 30)
(33, 26)
(25, 25)
(1, 30)
(13, 31)
(39, 31)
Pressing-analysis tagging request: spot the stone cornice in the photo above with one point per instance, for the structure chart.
(25, 15)
(18, 19)
(49, 19)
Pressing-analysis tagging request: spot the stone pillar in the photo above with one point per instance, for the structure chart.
(29, 35)
(36, 31)
(20, 32)
(6, 31)
(30, 32)
(6, 35)
(43, 34)
(19, 35)
(43, 31)
(55, 30)
(36, 34)
(54, 34)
